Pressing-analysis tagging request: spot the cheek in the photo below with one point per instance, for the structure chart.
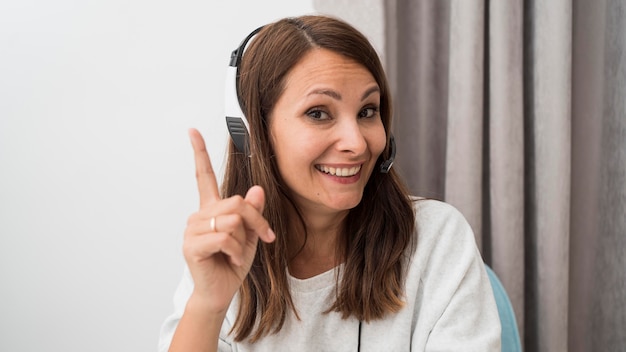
(293, 151)
(293, 143)
(378, 141)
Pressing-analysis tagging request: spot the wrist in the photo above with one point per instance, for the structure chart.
(200, 306)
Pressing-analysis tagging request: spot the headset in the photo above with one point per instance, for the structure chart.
(236, 121)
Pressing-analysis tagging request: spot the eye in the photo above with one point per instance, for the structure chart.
(368, 112)
(318, 114)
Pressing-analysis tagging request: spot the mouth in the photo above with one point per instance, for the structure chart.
(339, 171)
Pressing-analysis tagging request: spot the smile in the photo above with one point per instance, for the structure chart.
(339, 171)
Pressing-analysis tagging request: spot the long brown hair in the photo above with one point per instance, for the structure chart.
(377, 234)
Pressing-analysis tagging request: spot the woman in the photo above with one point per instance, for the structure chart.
(347, 260)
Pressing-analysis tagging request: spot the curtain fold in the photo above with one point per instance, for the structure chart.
(587, 105)
(547, 87)
(421, 68)
(505, 124)
(464, 136)
(605, 297)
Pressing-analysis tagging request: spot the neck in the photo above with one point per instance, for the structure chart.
(317, 252)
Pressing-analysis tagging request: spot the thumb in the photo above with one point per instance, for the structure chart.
(256, 197)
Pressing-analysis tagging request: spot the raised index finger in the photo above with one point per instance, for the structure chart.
(207, 183)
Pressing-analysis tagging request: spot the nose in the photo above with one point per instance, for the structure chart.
(350, 138)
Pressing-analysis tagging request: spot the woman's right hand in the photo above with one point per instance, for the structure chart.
(221, 237)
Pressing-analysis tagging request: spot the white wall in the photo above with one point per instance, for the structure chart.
(96, 172)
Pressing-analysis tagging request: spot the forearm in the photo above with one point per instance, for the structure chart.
(198, 329)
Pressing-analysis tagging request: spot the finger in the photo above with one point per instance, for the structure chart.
(234, 225)
(202, 247)
(252, 218)
(256, 197)
(205, 177)
(229, 223)
(235, 219)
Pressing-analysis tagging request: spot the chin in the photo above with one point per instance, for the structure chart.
(346, 204)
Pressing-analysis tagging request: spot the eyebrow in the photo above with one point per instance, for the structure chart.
(335, 95)
(370, 92)
(330, 93)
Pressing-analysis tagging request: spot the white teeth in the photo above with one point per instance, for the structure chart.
(343, 172)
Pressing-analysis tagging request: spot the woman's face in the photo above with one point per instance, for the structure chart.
(327, 132)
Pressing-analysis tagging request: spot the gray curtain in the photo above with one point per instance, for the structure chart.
(514, 112)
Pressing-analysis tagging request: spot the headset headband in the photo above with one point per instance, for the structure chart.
(236, 121)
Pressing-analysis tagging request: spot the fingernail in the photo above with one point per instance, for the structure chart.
(271, 235)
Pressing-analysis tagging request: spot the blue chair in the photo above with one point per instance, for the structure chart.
(510, 333)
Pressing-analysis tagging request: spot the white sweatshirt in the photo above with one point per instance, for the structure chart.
(449, 302)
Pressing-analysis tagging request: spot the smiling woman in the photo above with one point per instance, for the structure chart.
(347, 259)
(328, 143)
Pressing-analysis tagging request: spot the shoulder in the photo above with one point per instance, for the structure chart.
(446, 245)
(431, 211)
(437, 221)
(447, 288)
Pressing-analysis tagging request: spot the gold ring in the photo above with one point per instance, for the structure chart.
(212, 225)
